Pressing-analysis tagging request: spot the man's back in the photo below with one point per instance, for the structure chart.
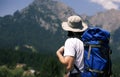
(74, 47)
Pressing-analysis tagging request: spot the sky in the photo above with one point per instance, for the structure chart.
(91, 7)
(10, 6)
(88, 7)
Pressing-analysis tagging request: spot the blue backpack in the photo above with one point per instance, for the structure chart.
(97, 62)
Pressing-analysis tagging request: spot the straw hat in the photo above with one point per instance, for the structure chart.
(74, 24)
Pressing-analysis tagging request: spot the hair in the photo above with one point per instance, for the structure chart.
(75, 34)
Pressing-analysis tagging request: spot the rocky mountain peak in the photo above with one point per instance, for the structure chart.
(109, 20)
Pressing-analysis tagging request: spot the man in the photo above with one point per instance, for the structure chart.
(73, 51)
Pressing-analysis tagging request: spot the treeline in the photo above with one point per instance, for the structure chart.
(116, 67)
(35, 64)
(16, 63)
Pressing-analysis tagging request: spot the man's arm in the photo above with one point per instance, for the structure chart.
(66, 60)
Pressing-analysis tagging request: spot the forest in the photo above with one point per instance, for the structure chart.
(35, 64)
(16, 63)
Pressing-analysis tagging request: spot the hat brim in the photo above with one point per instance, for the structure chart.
(66, 27)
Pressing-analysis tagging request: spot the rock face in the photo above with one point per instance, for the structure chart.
(109, 20)
(37, 26)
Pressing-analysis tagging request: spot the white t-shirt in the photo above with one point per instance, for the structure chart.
(74, 47)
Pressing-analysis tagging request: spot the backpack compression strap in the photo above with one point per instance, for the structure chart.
(97, 71)
(89, 49)
(89, 69)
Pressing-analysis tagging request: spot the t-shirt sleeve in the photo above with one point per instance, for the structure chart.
(69, 48)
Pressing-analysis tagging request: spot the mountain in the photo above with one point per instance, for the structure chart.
(36, 27)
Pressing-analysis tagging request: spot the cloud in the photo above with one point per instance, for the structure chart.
(108, 4)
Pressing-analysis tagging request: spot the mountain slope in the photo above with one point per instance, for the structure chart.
(37, 26)
(109, 20)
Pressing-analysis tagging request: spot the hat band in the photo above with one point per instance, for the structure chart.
(77, 25)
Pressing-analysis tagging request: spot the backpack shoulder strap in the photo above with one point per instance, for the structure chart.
(77, 68)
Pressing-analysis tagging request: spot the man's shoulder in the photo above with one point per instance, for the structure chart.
(72, 39)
